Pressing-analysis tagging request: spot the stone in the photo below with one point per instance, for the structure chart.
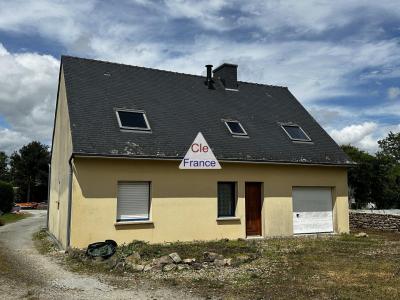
(227, 262)
(219, 262)
(137, 268)
(162, 261)
(147, 268)
(134, 258)
(189, 261)
(169, 267)
(223, 262)
(175, 258)
(183, 267)
(211, 256)
(361, 234)
(112, 261)
(196, 266)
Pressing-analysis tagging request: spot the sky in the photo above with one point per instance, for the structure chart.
(341, 59)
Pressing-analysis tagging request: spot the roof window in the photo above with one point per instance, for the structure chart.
(235, 128)
(296, 133)
(132, 119)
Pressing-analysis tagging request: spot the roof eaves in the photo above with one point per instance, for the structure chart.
(232, 160)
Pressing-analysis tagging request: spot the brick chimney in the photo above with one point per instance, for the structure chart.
(227, 73)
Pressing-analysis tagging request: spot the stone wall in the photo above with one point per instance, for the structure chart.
(374, 221)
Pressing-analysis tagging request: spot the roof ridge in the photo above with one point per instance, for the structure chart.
(159, 70)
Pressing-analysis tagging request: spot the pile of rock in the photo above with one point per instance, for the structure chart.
(173, 261)
(374, 221)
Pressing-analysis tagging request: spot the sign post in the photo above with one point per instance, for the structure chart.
(199, 156)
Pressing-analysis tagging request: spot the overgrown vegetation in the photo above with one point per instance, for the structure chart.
(376, 178)
(10, 218)
(43, 243)
(325, 267)
(227, 248)
(240, 251)
(6, 197)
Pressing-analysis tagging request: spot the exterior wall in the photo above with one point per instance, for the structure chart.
(184, 202)
(59, 181)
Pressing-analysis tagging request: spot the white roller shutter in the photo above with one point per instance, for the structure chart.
(133, 201)
(312, 210)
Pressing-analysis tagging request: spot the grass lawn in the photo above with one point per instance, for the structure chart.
(10, 218)
(325, 267)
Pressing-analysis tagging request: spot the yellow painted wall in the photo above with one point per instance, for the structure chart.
(184, 202)
(61, 152)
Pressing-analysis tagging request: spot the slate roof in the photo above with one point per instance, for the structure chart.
(178, 106)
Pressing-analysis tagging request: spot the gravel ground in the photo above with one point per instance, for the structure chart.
(25, 274)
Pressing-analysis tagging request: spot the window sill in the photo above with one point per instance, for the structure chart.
(228, 219)
(133, 222)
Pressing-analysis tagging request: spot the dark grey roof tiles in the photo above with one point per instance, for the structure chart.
(178, 106)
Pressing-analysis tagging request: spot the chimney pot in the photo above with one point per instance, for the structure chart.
(209, 81)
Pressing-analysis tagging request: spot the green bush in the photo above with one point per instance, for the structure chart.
(6, 197)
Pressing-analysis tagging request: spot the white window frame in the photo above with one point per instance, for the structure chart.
(293, 139)
(148, 128)
(234, 133)
(138, 220)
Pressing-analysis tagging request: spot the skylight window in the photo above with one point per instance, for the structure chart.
(296, 133)
(132, 119)
(235, 128)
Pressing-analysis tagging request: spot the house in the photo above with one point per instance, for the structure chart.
(121, 134)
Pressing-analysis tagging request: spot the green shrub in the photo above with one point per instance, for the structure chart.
(6, 197)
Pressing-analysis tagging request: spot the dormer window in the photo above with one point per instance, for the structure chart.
(132, 119)
(235, 128)
(296, 133)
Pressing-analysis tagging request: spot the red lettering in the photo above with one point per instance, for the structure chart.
(195, 147)
(199, 148)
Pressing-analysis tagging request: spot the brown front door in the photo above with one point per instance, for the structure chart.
(253, 208)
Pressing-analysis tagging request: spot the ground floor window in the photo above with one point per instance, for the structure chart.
(226, 199)
(133, 201)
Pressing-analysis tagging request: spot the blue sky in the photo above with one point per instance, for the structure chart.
(341, 59)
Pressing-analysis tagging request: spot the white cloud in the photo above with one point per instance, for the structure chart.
(290, 46)
(364, 136)
(358, 135)
(28, 85)
(393, 93)
(11, 140)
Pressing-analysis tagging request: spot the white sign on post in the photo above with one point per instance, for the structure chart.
(199, 156)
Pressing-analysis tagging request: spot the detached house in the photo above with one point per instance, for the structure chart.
(265, 167)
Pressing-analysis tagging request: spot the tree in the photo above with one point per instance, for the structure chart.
(376, 178)
(4, 172)
(362, 175)
(29, 171)
(390, 154)
(6, 197)
(390, 146)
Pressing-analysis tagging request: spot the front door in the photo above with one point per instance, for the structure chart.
(253, 208)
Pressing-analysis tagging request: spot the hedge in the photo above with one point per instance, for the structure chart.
(6, 197)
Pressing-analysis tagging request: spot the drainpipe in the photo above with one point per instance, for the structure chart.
(69, 201)
(48, 198)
